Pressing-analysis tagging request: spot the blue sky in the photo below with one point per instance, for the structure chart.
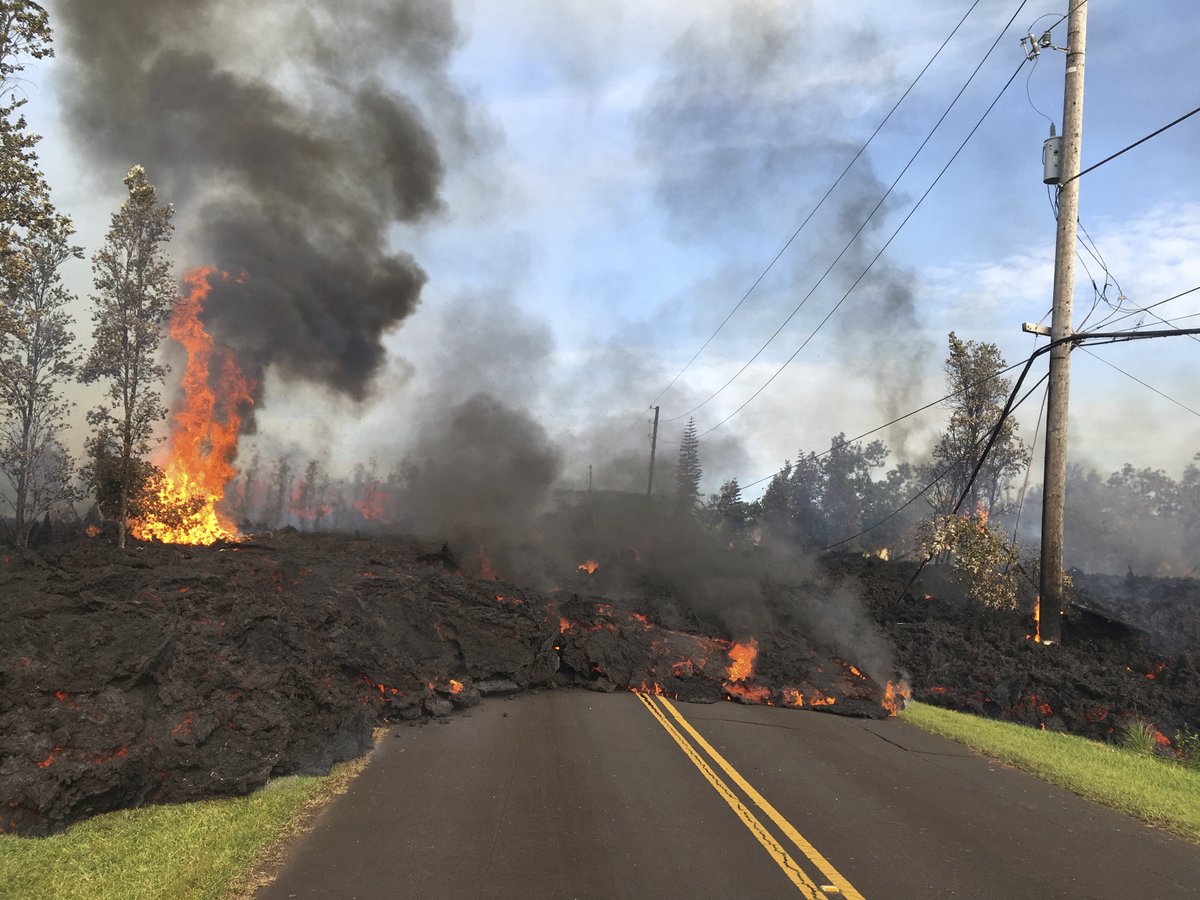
(637, 165)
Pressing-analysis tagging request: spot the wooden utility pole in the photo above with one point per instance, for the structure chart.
(1055, 478)
(589, 478)
(653, 447)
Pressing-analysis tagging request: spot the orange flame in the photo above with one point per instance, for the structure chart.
(895, 696)
(456, 686)
(741, 660)
(204, 432)
(590, 567)
(93, 530)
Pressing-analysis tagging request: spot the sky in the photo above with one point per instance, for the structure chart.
(627, 171)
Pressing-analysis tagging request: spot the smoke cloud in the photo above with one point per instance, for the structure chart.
(743, 131)
(282, 138)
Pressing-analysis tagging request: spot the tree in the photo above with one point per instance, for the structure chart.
(135, 292)
(979, 396)
(36, 356)
(729, 512)
(24, 198)
(687, 468)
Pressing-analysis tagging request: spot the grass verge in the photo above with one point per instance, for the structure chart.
(1154, 790)
(206, 849)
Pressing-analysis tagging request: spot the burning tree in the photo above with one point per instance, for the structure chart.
(35, 357)
(135, 292)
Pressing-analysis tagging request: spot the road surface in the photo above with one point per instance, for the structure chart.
(572, 794)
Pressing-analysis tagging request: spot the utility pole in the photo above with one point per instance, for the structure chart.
(653, 447)
(589, 478)
(1055, 478)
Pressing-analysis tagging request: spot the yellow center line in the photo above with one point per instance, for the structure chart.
(774, 849)
(825, 866)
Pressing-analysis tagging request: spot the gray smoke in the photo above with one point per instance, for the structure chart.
(279, 134)
(753, 119)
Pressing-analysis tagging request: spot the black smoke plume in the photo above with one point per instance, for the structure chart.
(280, 135)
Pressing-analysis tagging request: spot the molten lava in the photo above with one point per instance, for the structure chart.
(204, 431)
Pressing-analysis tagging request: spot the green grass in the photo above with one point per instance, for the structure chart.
(1155, 790)
(207, 849)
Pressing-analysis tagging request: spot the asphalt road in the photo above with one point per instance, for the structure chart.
(571, 794)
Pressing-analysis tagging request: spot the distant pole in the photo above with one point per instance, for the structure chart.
(653, 447)
(589, 478)
(1055, 478)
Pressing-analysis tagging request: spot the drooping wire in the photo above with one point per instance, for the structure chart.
(870, 216)
(988, 438)
(874, 259)
(1136, 143)
(817, 207)
(1139, 381)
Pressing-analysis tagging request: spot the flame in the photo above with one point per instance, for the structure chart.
(564, 624)
(895, 696)
(456, 686)
(370, 507)
(93, 530)
(1037, 619)
(590, 567)
(741, 660)
(204, 432)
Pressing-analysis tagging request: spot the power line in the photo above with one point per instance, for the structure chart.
(866, 221)
(1136, 143)
(819, 204)
(920, 409)
(1139, 381)
(875, 259)
(1008, 409)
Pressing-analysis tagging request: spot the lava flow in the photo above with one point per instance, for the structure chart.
(204, 431)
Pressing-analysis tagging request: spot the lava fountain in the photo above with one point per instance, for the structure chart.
(204, 431)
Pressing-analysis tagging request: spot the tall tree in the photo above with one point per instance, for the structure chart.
(687, 468)
(36, 357)
(979, 394)
(135, 292)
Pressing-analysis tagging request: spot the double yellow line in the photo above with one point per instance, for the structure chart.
(833, 884)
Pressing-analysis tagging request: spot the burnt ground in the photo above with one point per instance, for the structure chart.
(1131, 647)
(163, 674)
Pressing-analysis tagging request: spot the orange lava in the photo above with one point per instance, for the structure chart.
(204, 431)
(456, 686)
(590, 567)
(747, 693)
